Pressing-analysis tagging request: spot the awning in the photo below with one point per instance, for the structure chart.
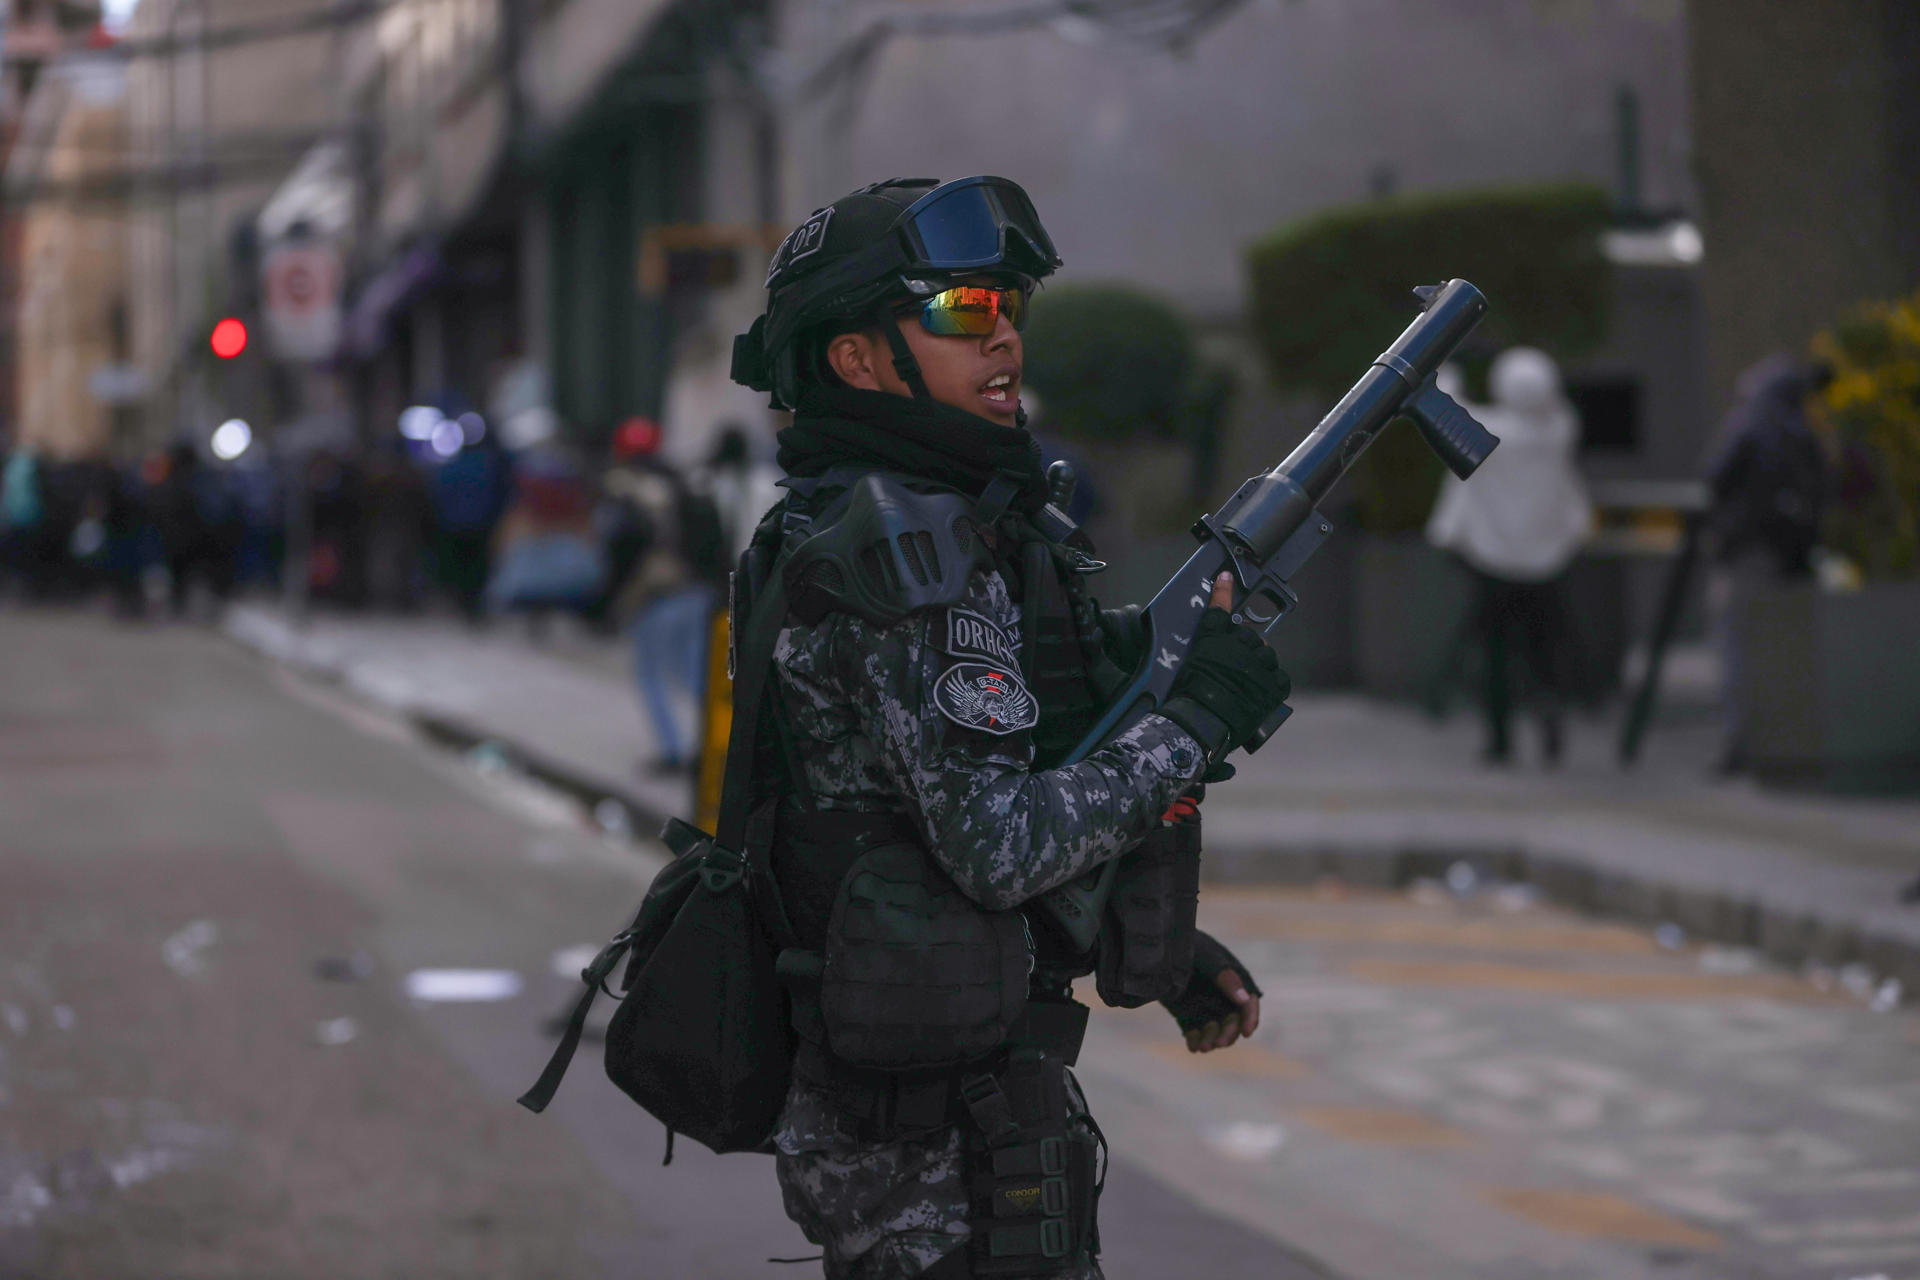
(385, 293)
(319, 193)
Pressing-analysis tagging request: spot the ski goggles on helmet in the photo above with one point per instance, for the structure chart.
(969, 224)
(970, 310)
(977, 222)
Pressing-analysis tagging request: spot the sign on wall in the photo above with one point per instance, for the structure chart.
(301, 290)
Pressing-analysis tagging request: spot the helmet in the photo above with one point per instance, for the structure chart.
(902, 238)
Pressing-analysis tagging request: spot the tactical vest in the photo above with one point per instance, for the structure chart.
(896, 971)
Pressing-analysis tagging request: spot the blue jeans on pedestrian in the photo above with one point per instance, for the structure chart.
(670, 651)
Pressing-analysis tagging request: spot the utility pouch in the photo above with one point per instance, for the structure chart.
(915, 973)
(1033, 1171)
(701, 1037)
(1146, 939)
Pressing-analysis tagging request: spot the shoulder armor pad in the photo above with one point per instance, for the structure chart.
(883, 551)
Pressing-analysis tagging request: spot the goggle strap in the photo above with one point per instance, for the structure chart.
(905, 367)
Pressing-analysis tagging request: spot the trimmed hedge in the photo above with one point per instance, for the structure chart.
(1331, 291)
(1109, 362)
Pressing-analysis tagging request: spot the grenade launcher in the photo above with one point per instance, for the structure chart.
(1266, 531)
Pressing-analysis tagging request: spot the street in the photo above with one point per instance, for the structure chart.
(217, 881)
(220, 877)
(414, 413)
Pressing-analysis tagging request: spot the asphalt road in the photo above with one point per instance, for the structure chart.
(215, 881)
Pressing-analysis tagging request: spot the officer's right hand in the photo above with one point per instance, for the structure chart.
(1231, 682)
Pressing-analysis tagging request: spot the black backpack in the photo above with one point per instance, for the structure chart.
(702, 1038)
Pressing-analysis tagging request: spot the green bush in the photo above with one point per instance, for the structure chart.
(1331, 291)
(1109, 362)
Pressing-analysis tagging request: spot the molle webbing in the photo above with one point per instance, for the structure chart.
(1059, 653)
(812, 852)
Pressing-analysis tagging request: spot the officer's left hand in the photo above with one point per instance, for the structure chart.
(1223, 1032)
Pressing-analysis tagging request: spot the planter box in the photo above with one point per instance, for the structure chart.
(1412, 603)
(1831, 686)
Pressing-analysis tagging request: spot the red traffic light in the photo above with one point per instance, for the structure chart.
(229, 338)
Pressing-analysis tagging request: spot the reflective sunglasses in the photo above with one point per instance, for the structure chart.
(972, 310)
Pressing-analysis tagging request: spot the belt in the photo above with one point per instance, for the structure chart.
(883, 1103)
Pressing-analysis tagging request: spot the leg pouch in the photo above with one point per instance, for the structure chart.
(1035, 1158)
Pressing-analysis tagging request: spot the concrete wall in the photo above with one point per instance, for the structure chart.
(1160, 168)
(1656, 340)
(1807, 118)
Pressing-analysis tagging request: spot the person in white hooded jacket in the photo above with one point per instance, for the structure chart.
(1518, 526)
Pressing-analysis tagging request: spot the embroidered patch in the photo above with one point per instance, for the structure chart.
(973, 635)
(989, 698)
(805, 241)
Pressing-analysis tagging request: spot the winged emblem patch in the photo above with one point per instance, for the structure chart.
(989, 698)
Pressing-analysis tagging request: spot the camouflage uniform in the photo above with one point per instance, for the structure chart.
(878, 731)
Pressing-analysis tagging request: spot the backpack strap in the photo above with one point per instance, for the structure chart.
(744, 827)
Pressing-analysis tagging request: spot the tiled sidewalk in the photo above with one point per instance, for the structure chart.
(1365, 790)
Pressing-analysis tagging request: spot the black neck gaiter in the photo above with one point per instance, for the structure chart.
(844, 426)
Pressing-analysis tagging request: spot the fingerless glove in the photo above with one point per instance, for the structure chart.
(1230, 684)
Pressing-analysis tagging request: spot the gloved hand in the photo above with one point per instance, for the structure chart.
(1209, 1016)
(1230, 683)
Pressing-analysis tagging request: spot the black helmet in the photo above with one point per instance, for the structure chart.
(903, 238)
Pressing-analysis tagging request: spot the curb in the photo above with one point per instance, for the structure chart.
(1790, 936)
(455, 734)
(271, 641)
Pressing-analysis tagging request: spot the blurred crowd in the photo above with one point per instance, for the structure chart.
(443, 516)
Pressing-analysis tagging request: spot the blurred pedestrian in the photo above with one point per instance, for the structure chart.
(670, 591)
(547, 558)
(399, 522)
(23, 521)
(89, 543)
(337, 532)
(470, 492)
(128, 532)
(1768, 483)
(743, 487)
(199, 526)
(1517, 525)
(260, 494)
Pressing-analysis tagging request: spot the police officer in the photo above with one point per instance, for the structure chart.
(938, 655)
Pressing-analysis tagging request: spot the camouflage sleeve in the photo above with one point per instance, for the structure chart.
(941, 700)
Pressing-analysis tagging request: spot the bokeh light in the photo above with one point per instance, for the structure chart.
(419, 422)
(230, 439)
(447, 438)
(229, 338)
